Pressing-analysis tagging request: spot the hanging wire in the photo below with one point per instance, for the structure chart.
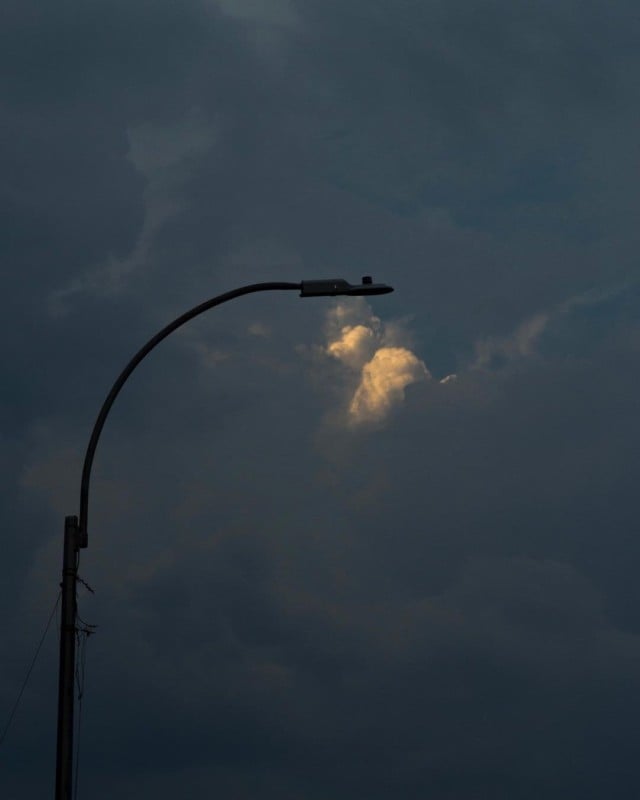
(81, 640)
(83, 631)
(30, 670)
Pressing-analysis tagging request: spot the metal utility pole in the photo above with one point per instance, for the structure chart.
(68, 613)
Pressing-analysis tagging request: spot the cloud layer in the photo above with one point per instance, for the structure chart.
(331, 575)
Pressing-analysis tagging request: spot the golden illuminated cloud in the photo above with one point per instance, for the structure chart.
(383, 381)
(383, 368)
(355, 345)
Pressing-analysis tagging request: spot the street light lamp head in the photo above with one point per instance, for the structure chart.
(338, 286)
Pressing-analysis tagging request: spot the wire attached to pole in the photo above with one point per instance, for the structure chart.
(30, 670)
(83, 631)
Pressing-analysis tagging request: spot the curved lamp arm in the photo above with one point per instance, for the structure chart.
(323, 288)
(126, 372)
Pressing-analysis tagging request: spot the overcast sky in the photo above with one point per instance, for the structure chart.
(340, 549)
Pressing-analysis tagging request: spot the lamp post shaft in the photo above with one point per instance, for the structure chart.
(64, 756)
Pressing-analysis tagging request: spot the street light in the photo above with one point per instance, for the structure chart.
(75, 527)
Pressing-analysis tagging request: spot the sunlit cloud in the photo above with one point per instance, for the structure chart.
(380, 363)
(383, 381)
(355, 346)
(382, 366)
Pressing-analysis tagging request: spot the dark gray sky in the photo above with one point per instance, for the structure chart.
(339, 549)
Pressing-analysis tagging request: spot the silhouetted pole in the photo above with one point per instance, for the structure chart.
(64, 756)
(75, 529)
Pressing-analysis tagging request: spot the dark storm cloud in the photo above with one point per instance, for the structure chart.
(487, 122)
(445, 603)
(426, 622)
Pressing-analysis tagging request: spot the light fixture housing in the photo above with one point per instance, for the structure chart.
(338, 286)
